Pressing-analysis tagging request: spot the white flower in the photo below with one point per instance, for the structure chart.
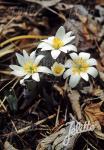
(79, 68)
(29, 66)
(59, 42)
(57, 69)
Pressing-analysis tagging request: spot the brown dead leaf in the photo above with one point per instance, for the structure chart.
(82, 18)
(100, 67)
(55, 140)
(97, 91)
(101, 2)
(101, 75)
(90, 26)
(94, 114)
(93, 26)
(74, 98)
(8, 146)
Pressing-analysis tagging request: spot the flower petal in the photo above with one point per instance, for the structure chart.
(84, 55)
(74, 80)
(22, 81)
(36, 77)
(26, 56)
(44, 69)
(63, 49)
(68, 34)
(71, 47)
(84, 76)
(67, 48)
(57, 69)
(68, 63)
(67, 73)
(60, 32)
(38, 59)
(92, 71)
(42, 44)
(27, 76)
(20, 59)
(49, 40)
(18, 73)
(73, 56)
(67, 39)
(15, 67)
(45, 46)
(55, 53)
(92, 62)
(32, 55)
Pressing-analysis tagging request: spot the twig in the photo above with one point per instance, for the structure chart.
(7, 84)
(35, 124)
(2, 103)
(89, 143)
(57, 117)
(15, 83)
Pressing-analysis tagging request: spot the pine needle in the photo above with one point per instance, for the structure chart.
(22, 37)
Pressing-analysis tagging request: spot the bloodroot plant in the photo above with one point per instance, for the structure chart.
(61, 42)
(73, 68)
(29, 66)
(79, 66)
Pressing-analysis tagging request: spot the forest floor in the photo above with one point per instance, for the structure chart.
(35, 116)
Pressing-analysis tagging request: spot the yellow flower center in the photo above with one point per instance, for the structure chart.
(80, 65)
(29, 67)
(58, 69)
(57, 43)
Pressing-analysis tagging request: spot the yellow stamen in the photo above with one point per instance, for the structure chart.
(58, 69)
(80, 65)
(30, 67)
(57, 43)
